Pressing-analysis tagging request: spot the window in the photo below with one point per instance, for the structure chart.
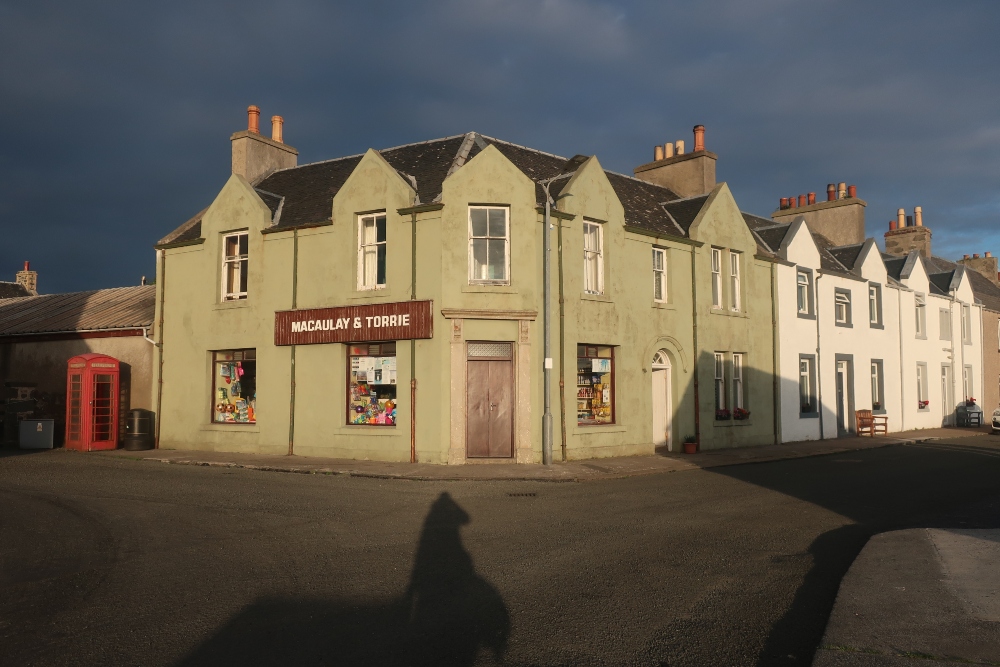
(966, 324)
(967, 383)
(842, 308)
(595, 385)
(235, 259)
(720, 384)
(738, 382)
(878, 386)
(234, 386)
(659, 274)
(920, 309)
(875, 305)
(734, 280)
(489, 245)
(807, 386)
(716, 278)
(371, 384)
(371, 251)
(593, 258)
(803, 292)
(922, 399)
(944, 318)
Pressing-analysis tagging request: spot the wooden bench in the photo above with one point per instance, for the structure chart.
(873, 424)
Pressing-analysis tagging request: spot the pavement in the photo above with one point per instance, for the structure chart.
(569, 471)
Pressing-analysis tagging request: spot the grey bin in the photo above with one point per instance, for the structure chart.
(139, 430)
(36, 433)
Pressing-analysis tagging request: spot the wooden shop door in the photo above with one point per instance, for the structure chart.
(490, 403)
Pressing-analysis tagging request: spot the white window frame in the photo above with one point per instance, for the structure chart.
(922, 383)
(966, 324)
(802, 292)
(473, 280)
(737, 380)
(874, 305)
(878, 384)
(720, 381)
(593, 254)
(920, 312)
(716, 278)
(365, 245)
(967, 382)
(237, 262)
(660, 275)
(842, 303)
(806, 379)
(944, 324)
(734, 281)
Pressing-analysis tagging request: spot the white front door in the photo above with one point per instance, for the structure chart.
(661, 401)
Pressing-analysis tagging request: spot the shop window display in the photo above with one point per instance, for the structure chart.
(234, 391)
(595, 385)
(371, 380)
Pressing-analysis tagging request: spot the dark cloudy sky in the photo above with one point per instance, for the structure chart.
(115, 116)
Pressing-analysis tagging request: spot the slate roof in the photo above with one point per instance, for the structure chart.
(769, 233)
(107, 309)
(894, 265)
(11, 290)
(847, 255)
(985, 291)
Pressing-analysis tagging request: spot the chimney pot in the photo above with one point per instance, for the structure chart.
(680, 147)
(852, 191)
(276, 123)
(988, 254)
(27, 265)
(831, 192)
(841, 190)
(975, 255)
(901, 218)
(253, 119)
(918, 213)
(802, 200)
(668, 150)
(892, 225)
(812, 198)
(783, 203)
(699, 138)
(657, 153)
(965, 256)
(909, 221)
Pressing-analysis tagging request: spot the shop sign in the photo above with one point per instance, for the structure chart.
(403, 320)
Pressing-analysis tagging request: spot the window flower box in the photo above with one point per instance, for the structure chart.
(876, 406)
(741, 414)
(722, 415)
(923, 404)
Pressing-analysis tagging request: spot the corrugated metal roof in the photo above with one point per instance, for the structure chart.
(106, 309)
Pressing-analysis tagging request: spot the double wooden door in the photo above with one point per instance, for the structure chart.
(490, 408)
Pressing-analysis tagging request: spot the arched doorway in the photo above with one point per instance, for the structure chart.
(662, 407)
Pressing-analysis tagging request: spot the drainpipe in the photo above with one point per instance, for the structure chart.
(413, 343)
(902, 382)
(954, 374)
(295, 302)
(775, 390)
(562, 345)
(694, 335)
(819, 358)
(546, 307)
(162, 280)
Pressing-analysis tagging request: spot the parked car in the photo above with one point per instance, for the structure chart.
(995, 423)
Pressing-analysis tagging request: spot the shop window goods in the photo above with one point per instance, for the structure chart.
(371, 380)
(595, 385)
(234, 391)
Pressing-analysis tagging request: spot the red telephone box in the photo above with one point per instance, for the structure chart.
(92, 403)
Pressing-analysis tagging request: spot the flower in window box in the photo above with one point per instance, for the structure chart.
(876, 406)
(924, 404)
(722, 415)
(741, 414)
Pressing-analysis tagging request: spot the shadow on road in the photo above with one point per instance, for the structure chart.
(878, 490)
(446, 616)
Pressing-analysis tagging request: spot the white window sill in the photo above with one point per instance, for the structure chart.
(594, 429)
(231, 427)
(239, 303)
(664, 305)
(489, 288)
(586, 296)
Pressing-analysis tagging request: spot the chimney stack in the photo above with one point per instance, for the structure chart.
(28, 279)
(699, 138)
(840, 218)
(686, 174)
(276, 123)
(256, 157)
(909, 236)
(985, 266)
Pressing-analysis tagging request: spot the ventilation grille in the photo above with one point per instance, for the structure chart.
(490, 350)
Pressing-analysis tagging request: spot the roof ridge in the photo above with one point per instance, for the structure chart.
(678, 201)
(92, 291)
(527, 148)
(639, 180)
(379, 150)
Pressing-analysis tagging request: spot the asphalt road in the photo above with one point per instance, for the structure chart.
(118, 562)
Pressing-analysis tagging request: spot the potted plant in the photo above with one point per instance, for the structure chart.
(876, 406)
(970, 402)
(722, 415)
(741, 414)
(690, 445)
(923, 404)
